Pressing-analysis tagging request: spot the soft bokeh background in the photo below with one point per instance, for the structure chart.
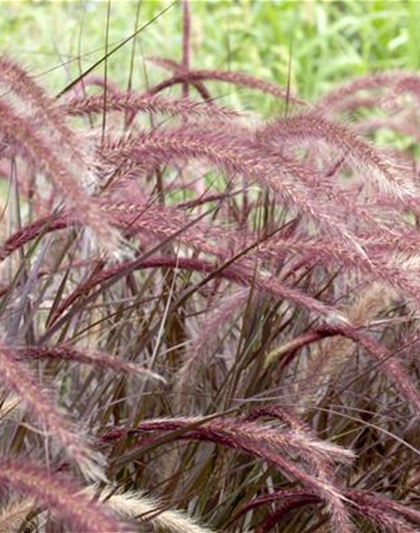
(322, 42)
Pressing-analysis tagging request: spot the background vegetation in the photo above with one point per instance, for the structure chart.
(328, 41)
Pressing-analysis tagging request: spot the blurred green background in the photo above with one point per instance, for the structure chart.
(322, 42)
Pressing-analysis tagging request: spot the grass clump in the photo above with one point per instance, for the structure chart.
(209, 317)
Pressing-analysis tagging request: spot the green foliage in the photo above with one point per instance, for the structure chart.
(324, 41)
